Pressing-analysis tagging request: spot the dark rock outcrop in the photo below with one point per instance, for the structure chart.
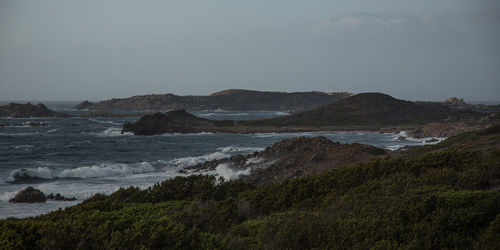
(84, 105)
(178, 121)
(16, 110)
(29, 195)
(59, 197)
(233, 99)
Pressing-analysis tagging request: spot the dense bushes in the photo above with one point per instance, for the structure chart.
(439, 200)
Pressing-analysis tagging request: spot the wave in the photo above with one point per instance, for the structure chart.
(19, 134)
(402, 135)
(225, 171)
(105, 170)
(95, 171)
(104, 122)
(112, 131)
(193, 160)
(230, 149)
(281, 113)
(24, 146)
(187, 134)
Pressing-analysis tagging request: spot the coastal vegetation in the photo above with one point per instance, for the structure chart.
(443, 196)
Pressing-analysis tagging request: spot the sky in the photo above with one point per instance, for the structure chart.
(101, 49)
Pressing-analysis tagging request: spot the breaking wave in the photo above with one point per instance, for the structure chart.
(229, 174)
(230, 149)
(95, 171)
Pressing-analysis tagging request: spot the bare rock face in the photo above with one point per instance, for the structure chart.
(29, 195)
(455, 101)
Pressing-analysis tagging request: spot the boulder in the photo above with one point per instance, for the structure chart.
(29, 195)
(59, 197)
(402, 139)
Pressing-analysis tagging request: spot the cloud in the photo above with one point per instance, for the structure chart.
(371, 20)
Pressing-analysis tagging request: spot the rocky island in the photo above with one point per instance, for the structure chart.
(232, 99)
(27, 110)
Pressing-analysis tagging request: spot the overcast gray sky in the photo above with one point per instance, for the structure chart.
(97, 49)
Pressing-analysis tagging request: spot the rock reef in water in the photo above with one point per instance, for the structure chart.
(29, 195)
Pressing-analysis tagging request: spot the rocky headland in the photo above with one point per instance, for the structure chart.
(232, 99)
(302, 156)
(460, 104)
(291, 158)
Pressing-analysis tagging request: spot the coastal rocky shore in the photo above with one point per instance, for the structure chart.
(291, 158)
(362, 112)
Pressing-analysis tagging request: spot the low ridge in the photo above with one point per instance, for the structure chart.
(232, 99)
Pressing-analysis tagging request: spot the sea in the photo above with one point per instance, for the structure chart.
(79, 157)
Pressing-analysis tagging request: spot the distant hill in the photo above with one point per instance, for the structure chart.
(370, 109)
(17, 110)
(233, 99)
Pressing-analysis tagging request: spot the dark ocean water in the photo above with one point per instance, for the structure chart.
(83, 156)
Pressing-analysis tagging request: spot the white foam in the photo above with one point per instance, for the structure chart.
(239, 149)
(95, 171)
(395, 147)
(39, 172)
(229, 174)
(113, 131)
(8, 195)
(254, 160)
(23, 146)
(193, 160)
(419, 141)
(104, 122)
(104, 170)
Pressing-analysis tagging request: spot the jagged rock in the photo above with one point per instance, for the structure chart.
(454, 101)
(59, 197)
(431, 140)
(29, 195)
(402, 139)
